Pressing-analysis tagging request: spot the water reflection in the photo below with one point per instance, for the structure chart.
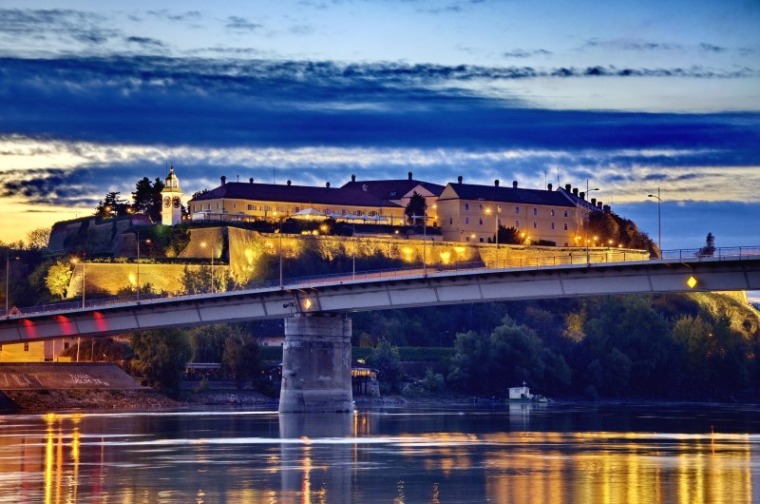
(511, 455)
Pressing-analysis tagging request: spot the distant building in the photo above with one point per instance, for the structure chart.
(248, 201)
(469, 212)
(400, 191)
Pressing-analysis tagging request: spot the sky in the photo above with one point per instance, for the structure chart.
(627, 97)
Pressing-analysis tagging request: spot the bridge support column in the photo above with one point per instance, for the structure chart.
(316, 365)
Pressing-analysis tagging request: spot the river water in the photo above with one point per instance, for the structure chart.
(558, 453)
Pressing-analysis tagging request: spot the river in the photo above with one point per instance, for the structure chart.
(556, 453)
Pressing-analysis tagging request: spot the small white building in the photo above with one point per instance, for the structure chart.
(520, 393)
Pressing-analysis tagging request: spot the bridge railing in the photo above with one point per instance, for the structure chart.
(719, 254)
(576, 257)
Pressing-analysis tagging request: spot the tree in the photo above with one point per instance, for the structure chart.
(112, 206)
(709, 249)
(161, 357)
(242, 359)
(509, 235)
(58, 278)
(385, 358)
(417, 207)
(37, 239)
(146, 199)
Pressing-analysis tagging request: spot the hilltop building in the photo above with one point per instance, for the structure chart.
(469, 212)
(242, 202)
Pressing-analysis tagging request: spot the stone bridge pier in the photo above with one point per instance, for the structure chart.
(316, 364)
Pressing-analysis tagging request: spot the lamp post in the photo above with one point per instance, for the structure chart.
(203, 245)
(8, 280)
(659, 220)
(496, 213)
(75, 261)
(588, 214)
(279, 247)
(138, 263)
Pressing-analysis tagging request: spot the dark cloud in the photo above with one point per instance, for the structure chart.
(241, 24)
(61, 24)
(146, 42)
(198, 102)
(710, 48)
(632, 45)
(522, 53)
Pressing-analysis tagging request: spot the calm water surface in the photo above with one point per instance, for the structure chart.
(559, 453)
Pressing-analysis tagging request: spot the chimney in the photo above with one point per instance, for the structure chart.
(353, 178)
(514, 184)
(250, 180)
(327, 185)
(549, 187)
(224, 180)
(593, 201)
(582, 195)
(410, 175)
(575, 191)
(459, 179)
(606, 209)
(599, 204)
(568, 187)
(288, 183)
(496, 183)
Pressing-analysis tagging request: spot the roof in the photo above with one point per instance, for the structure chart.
(506, 195)
(307, 195)
(392, 189)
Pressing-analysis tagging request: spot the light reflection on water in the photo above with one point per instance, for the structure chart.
(644, 453)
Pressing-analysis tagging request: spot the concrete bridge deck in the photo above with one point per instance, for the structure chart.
(415, 289)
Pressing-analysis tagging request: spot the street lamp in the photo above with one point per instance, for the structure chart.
(75, 261)
(203, 245)
(588, 214)
(8, 280)
(659, 220)
(496, 229)
(147, 240)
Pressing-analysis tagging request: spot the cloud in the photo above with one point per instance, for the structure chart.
(239, 23)
(522, 53)
(146, 42)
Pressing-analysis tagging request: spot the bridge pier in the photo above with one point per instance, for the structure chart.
(316, 365)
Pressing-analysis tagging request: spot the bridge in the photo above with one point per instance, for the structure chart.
(317, 349)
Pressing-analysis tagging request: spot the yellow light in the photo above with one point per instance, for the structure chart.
(307, 304)
(691, 282)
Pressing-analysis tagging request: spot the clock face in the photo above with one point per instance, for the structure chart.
(176, 202)
(167, 202)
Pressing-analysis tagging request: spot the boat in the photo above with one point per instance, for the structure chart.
(523, 395)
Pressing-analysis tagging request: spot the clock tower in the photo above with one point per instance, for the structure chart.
(171, 204)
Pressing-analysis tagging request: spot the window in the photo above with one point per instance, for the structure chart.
(481, 221)
(466, 206)
(535, 211)
(565, 226)
(451, 221)
(535, 225)
(517, 223)
(372, 213)
(296, 209)
(466, 220)
(234, 204)
(359, 213)
(565, 213)
(250, 207)
(65, 345)
(551, 212)
(517, 210)
(26, 346)
(552, 226)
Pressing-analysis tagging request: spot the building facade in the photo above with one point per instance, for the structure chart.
(240, 201)
(472, 213)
